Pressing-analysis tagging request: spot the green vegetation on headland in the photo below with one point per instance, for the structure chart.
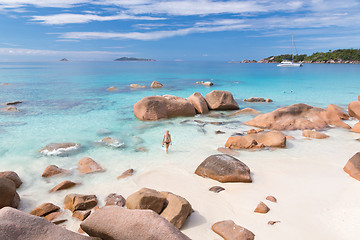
(130, 59)
(337, 56)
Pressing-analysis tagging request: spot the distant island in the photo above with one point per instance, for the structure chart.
(337, 56)
(132, 59)
(64, 60)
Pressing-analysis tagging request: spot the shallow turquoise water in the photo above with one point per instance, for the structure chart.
(68, 101)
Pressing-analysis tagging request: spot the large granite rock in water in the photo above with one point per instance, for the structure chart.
(354, 109)
(224, 168)
(160, 107)
(230, 231)
(177, 210)
(257, 140)
(59, 149)
(146, 198)
(15, 224)
(199, 103)
(352, 167)
(115, 223)
(13, 176)
(298, 117)
(221, 100)
(8, 194)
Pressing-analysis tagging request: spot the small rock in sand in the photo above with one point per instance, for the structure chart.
(219, 132)
(63, 185)
(81, 215)
(262, 208)
(87, 165)
(352, 166)
(53, 170)
(216, 189)
(314, 134)
(230, 231)
(271, 199)
(272, 222)
(44, 209)
(115, 199)
(126, 174)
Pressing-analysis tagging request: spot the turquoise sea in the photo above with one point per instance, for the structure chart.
(68, 102)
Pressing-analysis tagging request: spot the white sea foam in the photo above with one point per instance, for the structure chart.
(60, 151)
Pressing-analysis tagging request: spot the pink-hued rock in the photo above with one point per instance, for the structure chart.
(126, 174)
(262, 208)
(230, 231)
(146, 198)
(354, 109)
(216, 189)
(160, 107)
(352, 166)
(53, 170)
(115, 199)
(298, 117)
(134, 85)
(221, 100)
(111, 222)
(199, 103)
(18, 225)
(314, 134)
(44, 209)
(88, 165)
(228, 151)
(257, 140)
(177, 210)
(224, 168)
(75, 202)
(63, 185)
(8, 194)
(52, 216)
(156, 84)
(112, 88)
(356, 128)
(337, 110)
(271, 199)
(13, 176)
(81, 215)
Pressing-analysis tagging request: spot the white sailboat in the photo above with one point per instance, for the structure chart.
(290, 63)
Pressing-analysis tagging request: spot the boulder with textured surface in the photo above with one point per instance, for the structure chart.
(15, 224)
(352, 166)
(8, 194)
(224, 168)
(13, 176)
(75, 202)
(59, 149)
(257, 140)
(250, 111)
(160, 107)
(354, 109)
(177, 210)
(115, 223)
(63, 185)
(156, 84)
(297, 117)
(88, 165)
(230, 231)
(262, 208)
(135, 85)
(221, 100)
(115, 199)
(81, 215)
(199, 103)
(53, 170)
(314, 134)
(337, 110)
(44, 209)
(146, 198)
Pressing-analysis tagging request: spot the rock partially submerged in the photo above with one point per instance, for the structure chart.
(111, 222)
(352, 166)
(224, 168)
(63, 185)
(111, 142)
(354, 109)
(230, 231)
(156, 84)
(13, 176)
(88, 165)
(53, 170)
(245, 111)
(112, 88)
(160, 107)
(15, 224)
(12, 103)
(199, 103)
(146, 198)
(10, 109)
(257, 140)
(59, 149)
(356, 128)
(134, 85)
(257, 99)
(126, 174)
(298, 117)
(221, 100)
(75, 202)
(314, 134)
(45, 209)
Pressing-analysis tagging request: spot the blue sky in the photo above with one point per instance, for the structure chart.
(173, 30)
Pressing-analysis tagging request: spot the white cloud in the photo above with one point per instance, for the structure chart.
(66, 18)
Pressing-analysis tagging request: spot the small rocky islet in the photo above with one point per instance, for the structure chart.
(148, 209)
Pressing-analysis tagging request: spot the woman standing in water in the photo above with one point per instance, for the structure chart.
(166, 140)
